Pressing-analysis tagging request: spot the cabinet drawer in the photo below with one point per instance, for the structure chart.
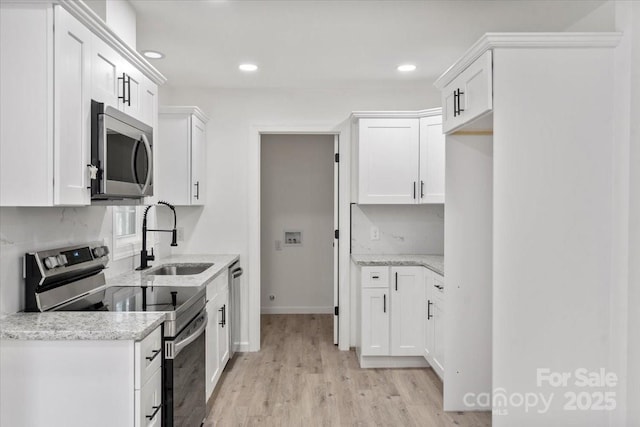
(469, 96)
(148, 401)
(375, 277)
(148, 357)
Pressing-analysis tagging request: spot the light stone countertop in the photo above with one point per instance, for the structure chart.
(432, 262)
(85, 325)
(138, 278)
(79, 325)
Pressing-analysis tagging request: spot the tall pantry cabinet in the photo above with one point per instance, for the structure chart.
(529, 220)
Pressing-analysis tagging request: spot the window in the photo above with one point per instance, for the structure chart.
(127, 235)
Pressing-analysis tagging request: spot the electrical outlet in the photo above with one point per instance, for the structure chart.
(180, 234)
(272, 297)
(375, 233)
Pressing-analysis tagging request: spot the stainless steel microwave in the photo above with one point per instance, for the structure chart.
(121, 155)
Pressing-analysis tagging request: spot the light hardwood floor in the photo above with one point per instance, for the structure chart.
(299, 378)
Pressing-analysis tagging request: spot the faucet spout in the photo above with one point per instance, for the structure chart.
(144, 255)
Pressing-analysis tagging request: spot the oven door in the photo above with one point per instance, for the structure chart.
(126, 156)
(184, 389)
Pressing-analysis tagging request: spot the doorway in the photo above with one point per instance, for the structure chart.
(299, 180)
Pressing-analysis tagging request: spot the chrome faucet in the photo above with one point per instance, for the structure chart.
(144, 256)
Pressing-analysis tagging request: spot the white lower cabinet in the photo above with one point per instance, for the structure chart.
(102, 383)
(434, 322)
(391, 317)
(217, 334)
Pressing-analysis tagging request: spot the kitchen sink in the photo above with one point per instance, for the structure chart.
(179, 269)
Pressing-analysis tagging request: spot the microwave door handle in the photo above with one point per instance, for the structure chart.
(147, 147)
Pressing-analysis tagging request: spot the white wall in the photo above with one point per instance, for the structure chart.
(633, 359)
(29, 229)
(404, 229)
(297, 195)
(222, 226)
(121, 17)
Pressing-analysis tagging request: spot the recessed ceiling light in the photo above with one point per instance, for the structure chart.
(152, 54)
(248, 67)
(406, 67)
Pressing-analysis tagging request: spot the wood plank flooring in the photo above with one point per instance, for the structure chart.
(299, 378)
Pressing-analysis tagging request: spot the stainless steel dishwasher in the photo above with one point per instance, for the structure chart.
(235, 271)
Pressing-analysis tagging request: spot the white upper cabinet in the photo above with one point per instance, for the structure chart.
(181, 155)
(469, 96)
(53, 61)
(72, 108)
(400, 157)
(432, 160)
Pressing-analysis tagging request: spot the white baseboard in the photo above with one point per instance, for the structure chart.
(296, 310)
(393, 362)
(241, 347)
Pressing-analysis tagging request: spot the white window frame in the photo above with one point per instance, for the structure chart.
(129, 245)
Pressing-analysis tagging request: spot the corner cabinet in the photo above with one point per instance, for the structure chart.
(181, 155)
(217, 333)
(53, 60)
(391, 317)
(400, 157)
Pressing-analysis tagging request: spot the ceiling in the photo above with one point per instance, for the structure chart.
(331, 43)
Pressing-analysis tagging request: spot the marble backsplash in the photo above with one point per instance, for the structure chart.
(403, 229)
(28, 229)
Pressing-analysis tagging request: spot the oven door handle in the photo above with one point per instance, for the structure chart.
(191, 338)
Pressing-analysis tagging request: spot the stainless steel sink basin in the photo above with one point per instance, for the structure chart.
(179, 269)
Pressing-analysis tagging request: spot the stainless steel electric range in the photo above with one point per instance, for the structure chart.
(72, 279)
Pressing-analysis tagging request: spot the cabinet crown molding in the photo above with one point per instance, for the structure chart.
(91, 20)
(396, 114)
(527, 40)
(184, 109)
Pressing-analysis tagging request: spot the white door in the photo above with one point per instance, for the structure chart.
(431, 160)
(388, 161)
(407, 311)
(375, 322)
(72, 110)
(198, 160)
(336, 242)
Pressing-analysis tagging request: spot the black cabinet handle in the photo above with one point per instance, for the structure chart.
(197, 184)
(422, 189)
(384, 303)
(124, 84)
(414, 189)
(375, 277)
(129, 91)
(429, 315)
(396, 280)
(155, 354)
(155, 412)
(223, 310)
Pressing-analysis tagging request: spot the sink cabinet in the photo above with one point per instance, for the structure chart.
(109, 382)
(181, 156)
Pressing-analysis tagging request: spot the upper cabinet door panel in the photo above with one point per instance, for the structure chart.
(105, 66)
(198, 161)
(432, 159)
(470, 95)
(388, 161)
(72, 95)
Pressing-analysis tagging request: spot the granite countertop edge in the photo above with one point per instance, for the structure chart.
(434, 263)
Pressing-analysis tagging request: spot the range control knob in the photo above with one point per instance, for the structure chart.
(62, 260)
(100, 251)
(51, 262)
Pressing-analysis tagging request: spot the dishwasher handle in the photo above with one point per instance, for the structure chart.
(180, 345)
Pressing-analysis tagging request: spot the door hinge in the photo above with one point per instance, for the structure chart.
(337, 157)
(335, 311)
(336, 234)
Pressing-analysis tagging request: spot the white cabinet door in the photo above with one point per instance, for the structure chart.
(375, 322)
(432, 159)
(407, 311)
(105, 64)
(468, 96)
(434, 323)
(131, 103)
(198, 161)
(149, 103)
(429, 323)
(212, 364)
(223, 327)
(438, 335)
(72, 110)
(148, 402)
(388, 161)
